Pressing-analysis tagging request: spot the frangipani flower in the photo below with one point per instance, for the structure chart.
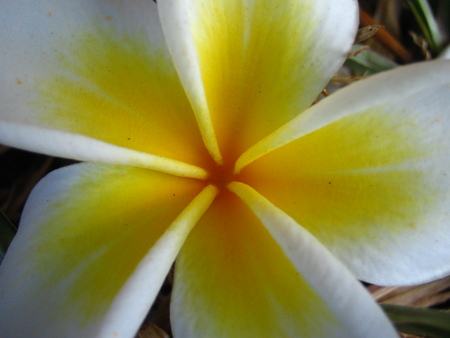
(193, 119)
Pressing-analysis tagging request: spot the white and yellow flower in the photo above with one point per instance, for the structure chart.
(193, 119)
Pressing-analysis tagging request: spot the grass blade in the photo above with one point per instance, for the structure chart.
(419, 321)
(427, 22)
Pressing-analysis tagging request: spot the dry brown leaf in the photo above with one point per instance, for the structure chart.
(424, 295)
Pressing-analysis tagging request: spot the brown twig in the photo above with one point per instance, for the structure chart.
(385, 38)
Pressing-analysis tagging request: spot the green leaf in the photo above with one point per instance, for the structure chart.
(368, 61)
(419, 321)
(7, 232)
(427, 22)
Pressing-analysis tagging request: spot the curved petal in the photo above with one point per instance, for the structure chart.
(94, 246)
(82, 148)
(350, 302)
(233, 280)
(254, 65)
(366, 171)
(96, 68)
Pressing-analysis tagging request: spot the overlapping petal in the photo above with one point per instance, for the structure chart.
(233, 280)
(94, 246)
(100, 69)
(349, 302)
(367, 172)
(254, 65)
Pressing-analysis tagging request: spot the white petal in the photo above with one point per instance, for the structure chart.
(345, 296)
(366, 171)
(99, 69)
(94, 246)
(250, 66)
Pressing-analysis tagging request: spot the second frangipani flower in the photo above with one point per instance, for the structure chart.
(193, 119)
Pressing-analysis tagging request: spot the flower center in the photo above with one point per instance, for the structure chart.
(221, 176)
